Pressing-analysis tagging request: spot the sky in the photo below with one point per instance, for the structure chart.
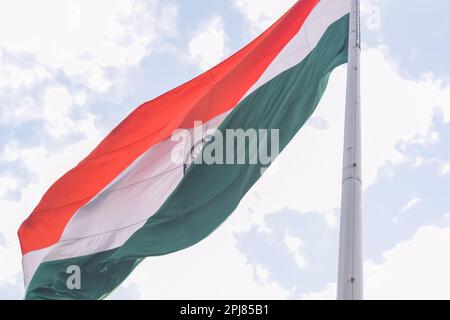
(70, 71)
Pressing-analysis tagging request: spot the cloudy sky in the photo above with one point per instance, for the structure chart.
(71, 70)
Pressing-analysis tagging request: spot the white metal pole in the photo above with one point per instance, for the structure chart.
(350, 273)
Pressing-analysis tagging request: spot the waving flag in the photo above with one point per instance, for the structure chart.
(128, 199)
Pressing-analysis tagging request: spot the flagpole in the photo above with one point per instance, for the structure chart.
(350, 273)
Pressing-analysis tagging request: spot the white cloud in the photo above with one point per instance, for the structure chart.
(295, 246)
(208, 46)
(414, 269)
(25, 108)
(445, 168)
(262, 13)
(12, 288)
(7, 183)
(84, 37)
(371, 14)
(16, 76)
(329, 293)
(411, 204)
(262, 273)
(331, 218)
(57, 105)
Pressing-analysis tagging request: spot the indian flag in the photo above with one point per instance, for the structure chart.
(128, 200)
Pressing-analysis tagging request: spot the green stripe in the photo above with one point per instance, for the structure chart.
(208, 194)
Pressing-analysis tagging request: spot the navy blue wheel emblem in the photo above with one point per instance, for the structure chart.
(196, 151)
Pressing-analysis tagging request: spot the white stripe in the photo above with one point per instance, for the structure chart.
(30, 263)
(324, 14)
(124, 206)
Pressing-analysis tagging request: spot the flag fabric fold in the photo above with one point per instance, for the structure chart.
(127, 200)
